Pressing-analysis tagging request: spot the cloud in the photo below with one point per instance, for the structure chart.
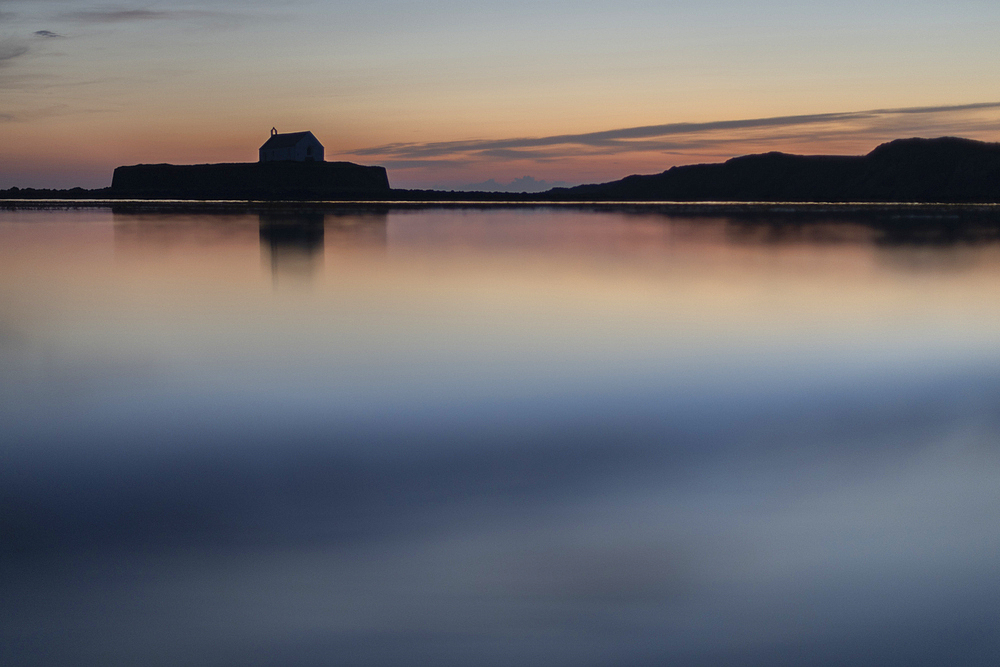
(678, 136)
(134, 15)
(45, 112)
(10, 51)
(48, 34)
(420, 164)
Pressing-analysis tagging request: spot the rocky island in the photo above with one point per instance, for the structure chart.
(290, 166)
(285, 180)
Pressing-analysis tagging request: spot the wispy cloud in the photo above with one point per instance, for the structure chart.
(137, 15)
(47, 112)
(10, 51)
(677, 137)
(48, 34)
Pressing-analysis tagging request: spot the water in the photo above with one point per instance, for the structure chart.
(496, 437)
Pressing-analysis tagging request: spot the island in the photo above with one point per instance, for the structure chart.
(278, 180)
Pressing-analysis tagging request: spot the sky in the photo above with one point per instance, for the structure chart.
(448, 93)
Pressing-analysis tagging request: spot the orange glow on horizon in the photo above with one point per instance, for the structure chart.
(103, 88)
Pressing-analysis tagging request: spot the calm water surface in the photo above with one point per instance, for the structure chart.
(503, 437)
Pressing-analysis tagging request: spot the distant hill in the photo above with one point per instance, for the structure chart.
(945, 170)
(522, 184)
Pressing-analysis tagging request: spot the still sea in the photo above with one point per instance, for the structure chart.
(510, 437)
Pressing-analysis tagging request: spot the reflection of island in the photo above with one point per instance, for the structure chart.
(142, 235)
(293, 243)
(357, 231)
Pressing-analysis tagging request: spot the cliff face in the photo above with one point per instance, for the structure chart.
(942, 170)
(251, 180)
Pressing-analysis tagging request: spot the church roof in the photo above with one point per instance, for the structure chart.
(287, 140)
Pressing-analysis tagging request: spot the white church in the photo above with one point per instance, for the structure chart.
(291, 147)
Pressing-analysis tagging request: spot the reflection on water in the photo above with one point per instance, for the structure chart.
(497, 437)
(292, 244)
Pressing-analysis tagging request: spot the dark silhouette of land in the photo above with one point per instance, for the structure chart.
(251, 180)
(945, 170)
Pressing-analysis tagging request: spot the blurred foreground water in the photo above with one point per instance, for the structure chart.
(496, 437)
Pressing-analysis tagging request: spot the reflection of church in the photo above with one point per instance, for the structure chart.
(293, 243)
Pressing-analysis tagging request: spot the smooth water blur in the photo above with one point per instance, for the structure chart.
(495, 437)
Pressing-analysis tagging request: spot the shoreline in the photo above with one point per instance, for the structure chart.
(894, 209)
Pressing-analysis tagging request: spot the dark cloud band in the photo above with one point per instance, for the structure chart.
(9, 52)
(133, 15)
(649, 137)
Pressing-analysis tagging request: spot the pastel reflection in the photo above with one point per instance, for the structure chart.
(496, 437)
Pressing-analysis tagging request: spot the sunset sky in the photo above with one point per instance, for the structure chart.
(450, 93)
